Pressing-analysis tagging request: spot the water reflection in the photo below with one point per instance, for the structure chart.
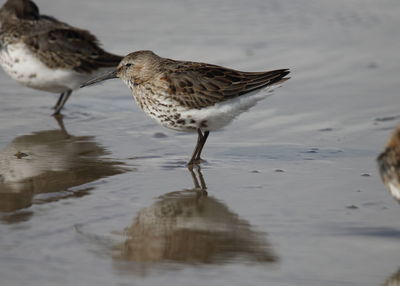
(191, 227)
(393, 280)
(389, 164)
(49, 163)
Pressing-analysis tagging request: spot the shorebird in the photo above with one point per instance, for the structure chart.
(191, 96)
(389, 164)
(43, 53)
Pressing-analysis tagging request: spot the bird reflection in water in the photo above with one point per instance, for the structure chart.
(191, 227)
(49, 162)
(389, 164)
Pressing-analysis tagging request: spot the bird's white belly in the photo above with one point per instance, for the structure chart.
(221, 114)
(180, 118)
(394, 189)
(24, 67)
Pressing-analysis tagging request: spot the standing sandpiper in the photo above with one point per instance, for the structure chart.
(190, 96)
(389, 164)
(43, 53)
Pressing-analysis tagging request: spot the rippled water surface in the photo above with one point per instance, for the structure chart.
(289, 195)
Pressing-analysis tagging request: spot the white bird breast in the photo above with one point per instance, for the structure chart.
(221, 114)
(24, 67)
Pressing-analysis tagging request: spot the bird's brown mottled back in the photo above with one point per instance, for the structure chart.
(198, 85)
(389, 159)
(389, 164)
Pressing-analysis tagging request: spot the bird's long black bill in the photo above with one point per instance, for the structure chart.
(101, 78)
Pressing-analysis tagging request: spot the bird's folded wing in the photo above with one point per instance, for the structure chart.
(197, 85)
(70, 48)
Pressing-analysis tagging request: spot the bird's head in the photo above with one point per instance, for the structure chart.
(21, 9)
(135, 68)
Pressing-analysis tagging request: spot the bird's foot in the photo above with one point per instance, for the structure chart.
(195, 162)
(201, 193)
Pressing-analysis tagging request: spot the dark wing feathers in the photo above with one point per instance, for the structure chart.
(67, 47)
(198, 85)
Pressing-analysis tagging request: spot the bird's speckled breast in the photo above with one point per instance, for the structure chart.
(155, 102)
(161, 108)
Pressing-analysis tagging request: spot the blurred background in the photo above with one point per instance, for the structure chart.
(294, 196)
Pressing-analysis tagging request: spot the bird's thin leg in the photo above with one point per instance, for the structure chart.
(203, 142)
(59, 100)
(196, 149)
(60, 121)
(201, 179)
(194, 178)
(198, 181)
(64, 98)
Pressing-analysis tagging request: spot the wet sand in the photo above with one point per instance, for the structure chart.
(293, 192)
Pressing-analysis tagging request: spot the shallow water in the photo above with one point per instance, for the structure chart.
(293, 194)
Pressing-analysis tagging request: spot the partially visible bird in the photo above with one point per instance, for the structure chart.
(191, 96)
(389, 164)
(43, 53)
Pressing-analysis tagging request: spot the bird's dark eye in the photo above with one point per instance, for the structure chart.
(128, 65)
